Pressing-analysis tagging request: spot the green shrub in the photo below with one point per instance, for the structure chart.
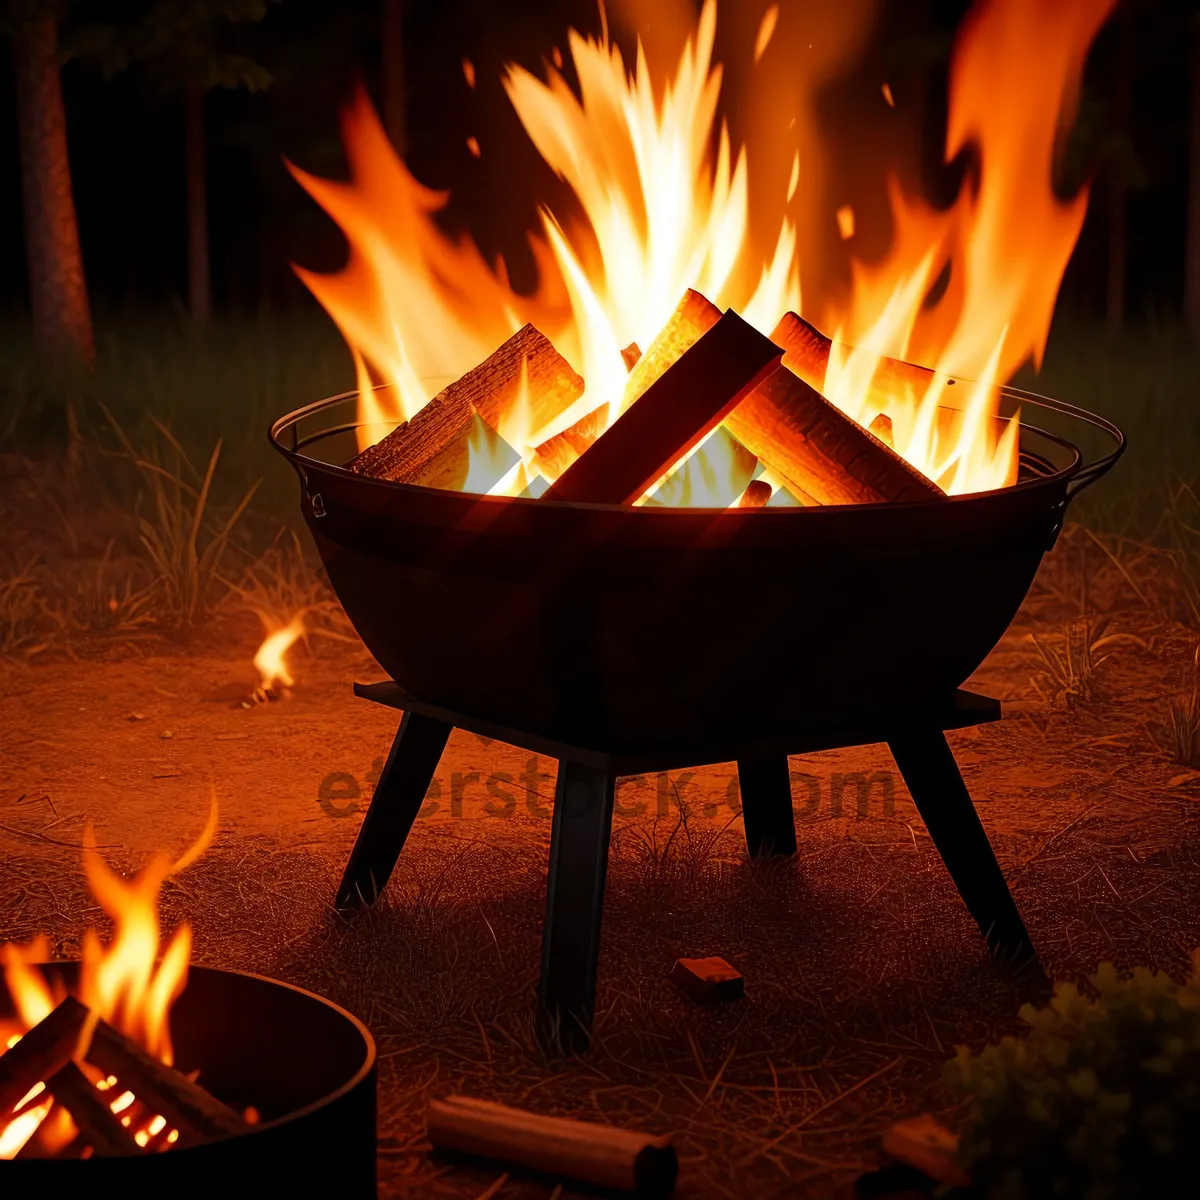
(1099, 1100)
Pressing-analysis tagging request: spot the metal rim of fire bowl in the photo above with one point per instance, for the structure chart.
(284, 436)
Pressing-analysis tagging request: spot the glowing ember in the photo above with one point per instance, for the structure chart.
(665, 197)
(271, 661)
(125, 982)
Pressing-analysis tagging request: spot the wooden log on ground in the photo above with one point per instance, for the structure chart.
(98, 1125)
(791, 427)
(679, 408)
(601, 1155)
(196, 1113)
(427, 449)
(925, 1143)
(807, 354)
(40, 1053)
(708, 980)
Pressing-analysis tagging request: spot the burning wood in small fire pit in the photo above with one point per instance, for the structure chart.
(64, 1057)
(88, 1064)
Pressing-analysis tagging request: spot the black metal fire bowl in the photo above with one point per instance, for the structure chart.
(583, 622)
(307, 1065)
(624, 640)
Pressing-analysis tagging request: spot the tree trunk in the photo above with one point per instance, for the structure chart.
(199, 282)
(62, 319)
(1118, 192)
(1192, 266)
(393, 74)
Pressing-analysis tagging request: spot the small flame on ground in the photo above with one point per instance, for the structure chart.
(845, 222)
(271, 662)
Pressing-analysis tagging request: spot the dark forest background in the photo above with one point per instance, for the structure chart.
(282, 70)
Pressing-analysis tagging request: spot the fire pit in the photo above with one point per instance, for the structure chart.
(635, 538)
(306, 1066)
(626, 639)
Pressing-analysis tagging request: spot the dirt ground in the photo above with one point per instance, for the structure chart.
(863, 969)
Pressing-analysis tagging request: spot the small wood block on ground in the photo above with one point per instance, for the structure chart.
(601, 1155)
(431, 448)
(677, 411)
(708, 980)
(925, 1143)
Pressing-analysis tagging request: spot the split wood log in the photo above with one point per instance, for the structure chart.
(430, 449)
(556, 454)
(807, 354)
(881, 427)
(756, 495)
(600, 1155)
(196, 1113)
(40, 1053)
(98, 1125)
(791, 427)
(693, 317)
(679, 408)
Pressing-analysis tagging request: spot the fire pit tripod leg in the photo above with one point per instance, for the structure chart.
(579, 837)
(398, 797)
(937, 788)
(766, 786)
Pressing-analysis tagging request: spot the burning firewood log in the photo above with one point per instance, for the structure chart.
(694, 316)
(196, 1113)
(789, 426)
(756, 495)
(601, 1155)
(675, 412)
(98, 1126)
(691, 320)
(430, 449)
(807, 354)
(41, 1052)
(793, 428)
(46, 1054)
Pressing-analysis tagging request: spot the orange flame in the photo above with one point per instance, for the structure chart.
(270, 661)
(123, 982)
(665, 199)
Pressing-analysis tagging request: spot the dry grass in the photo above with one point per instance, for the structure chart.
(1068, 670)
(184, 546)
(22, 611)
(106, 600)
(284, 583)
(1182, 740)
